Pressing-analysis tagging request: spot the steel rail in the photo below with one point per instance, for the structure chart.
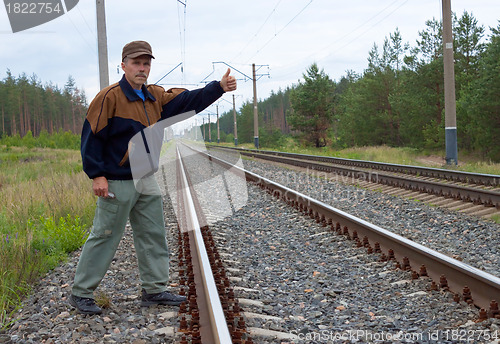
(484, 287)
(458, 176)
(213, 325)
(487, 198)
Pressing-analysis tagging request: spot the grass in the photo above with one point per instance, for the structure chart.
(46, 207)
(102, 299)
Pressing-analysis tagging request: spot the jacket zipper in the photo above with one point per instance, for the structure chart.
(147, 117)
(142, 130)
(144, 138)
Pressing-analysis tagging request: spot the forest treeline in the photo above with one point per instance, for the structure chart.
(28, 107)
(398, 100)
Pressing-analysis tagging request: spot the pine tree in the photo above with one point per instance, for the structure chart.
(312, 106)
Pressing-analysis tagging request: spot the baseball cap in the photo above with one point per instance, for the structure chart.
(136, 48)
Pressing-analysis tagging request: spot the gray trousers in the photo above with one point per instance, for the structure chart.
(145, 210)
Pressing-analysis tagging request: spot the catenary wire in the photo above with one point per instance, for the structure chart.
(94, 34)
(328, 47)
(281, 30)
(258, 31)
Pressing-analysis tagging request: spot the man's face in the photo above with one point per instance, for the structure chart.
(137, 70)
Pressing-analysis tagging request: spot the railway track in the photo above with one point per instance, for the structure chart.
(213, 317)
(475, 194)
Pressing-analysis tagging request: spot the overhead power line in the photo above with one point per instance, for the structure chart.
(245, 77)
(170, 71)
(372, 26)
(258, 31)
(93, 33)
(349, 35)
(281, 30)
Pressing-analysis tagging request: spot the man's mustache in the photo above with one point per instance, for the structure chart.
(142, 74)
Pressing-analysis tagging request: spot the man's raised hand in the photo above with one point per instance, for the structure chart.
(228, 83)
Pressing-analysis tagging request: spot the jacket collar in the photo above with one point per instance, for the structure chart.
(130, 93)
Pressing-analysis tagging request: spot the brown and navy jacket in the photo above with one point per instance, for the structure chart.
(117, 113)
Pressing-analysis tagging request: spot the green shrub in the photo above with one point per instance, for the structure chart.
(229, 138)
(65, 236)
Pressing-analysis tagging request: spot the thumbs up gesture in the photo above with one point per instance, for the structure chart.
(228, 83)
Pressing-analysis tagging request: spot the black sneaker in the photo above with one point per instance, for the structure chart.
(84, 305)
(163, 298)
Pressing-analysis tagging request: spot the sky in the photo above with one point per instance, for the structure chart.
(283, 37)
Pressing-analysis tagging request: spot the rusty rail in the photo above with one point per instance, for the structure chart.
(213, 327)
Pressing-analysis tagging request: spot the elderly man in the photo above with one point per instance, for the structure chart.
(115, 115)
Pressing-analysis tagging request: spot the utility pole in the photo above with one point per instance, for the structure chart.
(255, 112)
(218, 132)
(102, 44)
(235, 126)
(209, 130)
(450, 109)
(204, 134)
(195, 130)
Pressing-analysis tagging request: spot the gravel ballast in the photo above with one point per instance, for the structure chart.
(470, 239)
(326, 290)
